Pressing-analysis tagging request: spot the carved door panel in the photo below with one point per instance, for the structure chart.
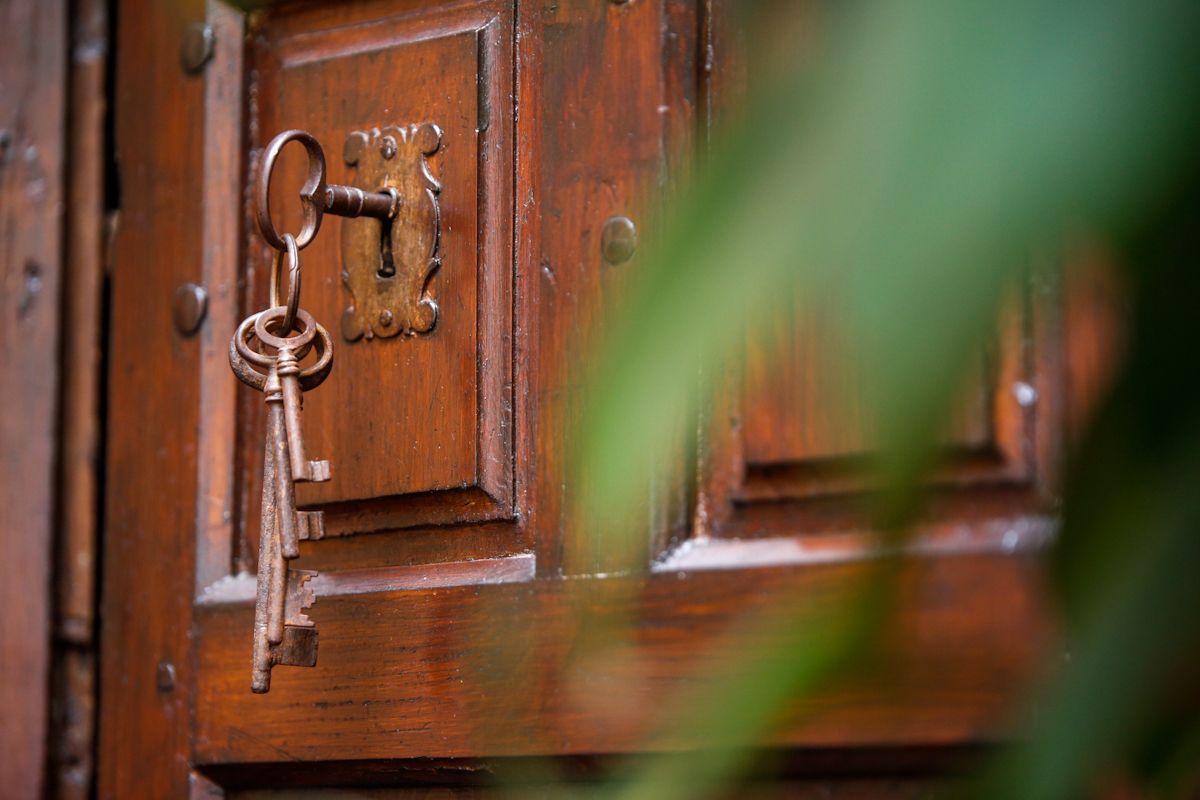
(448, 576)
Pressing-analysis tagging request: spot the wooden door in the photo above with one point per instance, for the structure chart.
(450, 580)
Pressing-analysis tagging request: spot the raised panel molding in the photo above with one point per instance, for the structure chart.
(419, 428)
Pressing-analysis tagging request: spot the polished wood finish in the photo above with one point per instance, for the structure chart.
(151, 498)
(790, 440)
(1002, 437)
(462, 615)
(432, 441)
(218, 492)
(901, 788)
(33, 108)
(516, 668)
(597, 75)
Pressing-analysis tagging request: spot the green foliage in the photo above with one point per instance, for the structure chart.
(908, 175)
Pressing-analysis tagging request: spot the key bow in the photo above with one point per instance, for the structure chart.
(243, 358)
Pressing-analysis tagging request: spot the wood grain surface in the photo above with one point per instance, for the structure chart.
(602, 666)
(461, 615)
(151, 493)
(33, 104)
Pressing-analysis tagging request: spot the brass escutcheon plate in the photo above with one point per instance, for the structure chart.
(387, 265)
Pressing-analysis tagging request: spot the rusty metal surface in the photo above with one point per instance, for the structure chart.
(387, 259)
(281, 597)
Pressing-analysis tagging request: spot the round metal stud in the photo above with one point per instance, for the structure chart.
(189, 308)
(618, 240)
(199, 41)
(164, 676)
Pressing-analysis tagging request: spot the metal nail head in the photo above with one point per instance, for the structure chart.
(164, 676)
(197, 49)
(189, 309)
(618, 240)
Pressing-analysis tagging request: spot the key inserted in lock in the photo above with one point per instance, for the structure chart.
(390, 256)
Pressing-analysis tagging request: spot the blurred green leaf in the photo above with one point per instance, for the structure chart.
(796, 652)
(906, 177)
(908, 174)
(1130, 543)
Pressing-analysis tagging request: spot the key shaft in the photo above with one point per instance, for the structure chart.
(260, 681)
(285, 488)
(302, 469)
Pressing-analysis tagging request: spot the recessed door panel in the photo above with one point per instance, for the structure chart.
(420, 420)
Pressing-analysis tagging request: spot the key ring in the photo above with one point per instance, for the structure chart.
(312, 194)
(293, 301)
(298, 344)
(255, 326)
(243, 359)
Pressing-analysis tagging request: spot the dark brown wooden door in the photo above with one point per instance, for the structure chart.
(450, 579)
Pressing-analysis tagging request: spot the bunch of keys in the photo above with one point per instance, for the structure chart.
(285, 334)
(283, 634)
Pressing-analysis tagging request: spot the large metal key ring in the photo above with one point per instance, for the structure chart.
(312, 194)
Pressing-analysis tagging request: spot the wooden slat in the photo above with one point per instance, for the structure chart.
(876, 788)
(594, 665)
(151, 501)
(600, 152)
(222, 194)
(33, 47)
(79, 469)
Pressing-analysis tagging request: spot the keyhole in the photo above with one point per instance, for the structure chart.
(387, 267)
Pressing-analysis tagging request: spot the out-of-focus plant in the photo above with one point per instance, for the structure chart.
(907, 171)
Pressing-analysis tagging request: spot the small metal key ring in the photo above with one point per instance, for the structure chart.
(243, 336)
(297, 344)
(310, 377)
(312, 194)
(245, 331)
(293, 301)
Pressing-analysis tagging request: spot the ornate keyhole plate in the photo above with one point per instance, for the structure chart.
(387, 264)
